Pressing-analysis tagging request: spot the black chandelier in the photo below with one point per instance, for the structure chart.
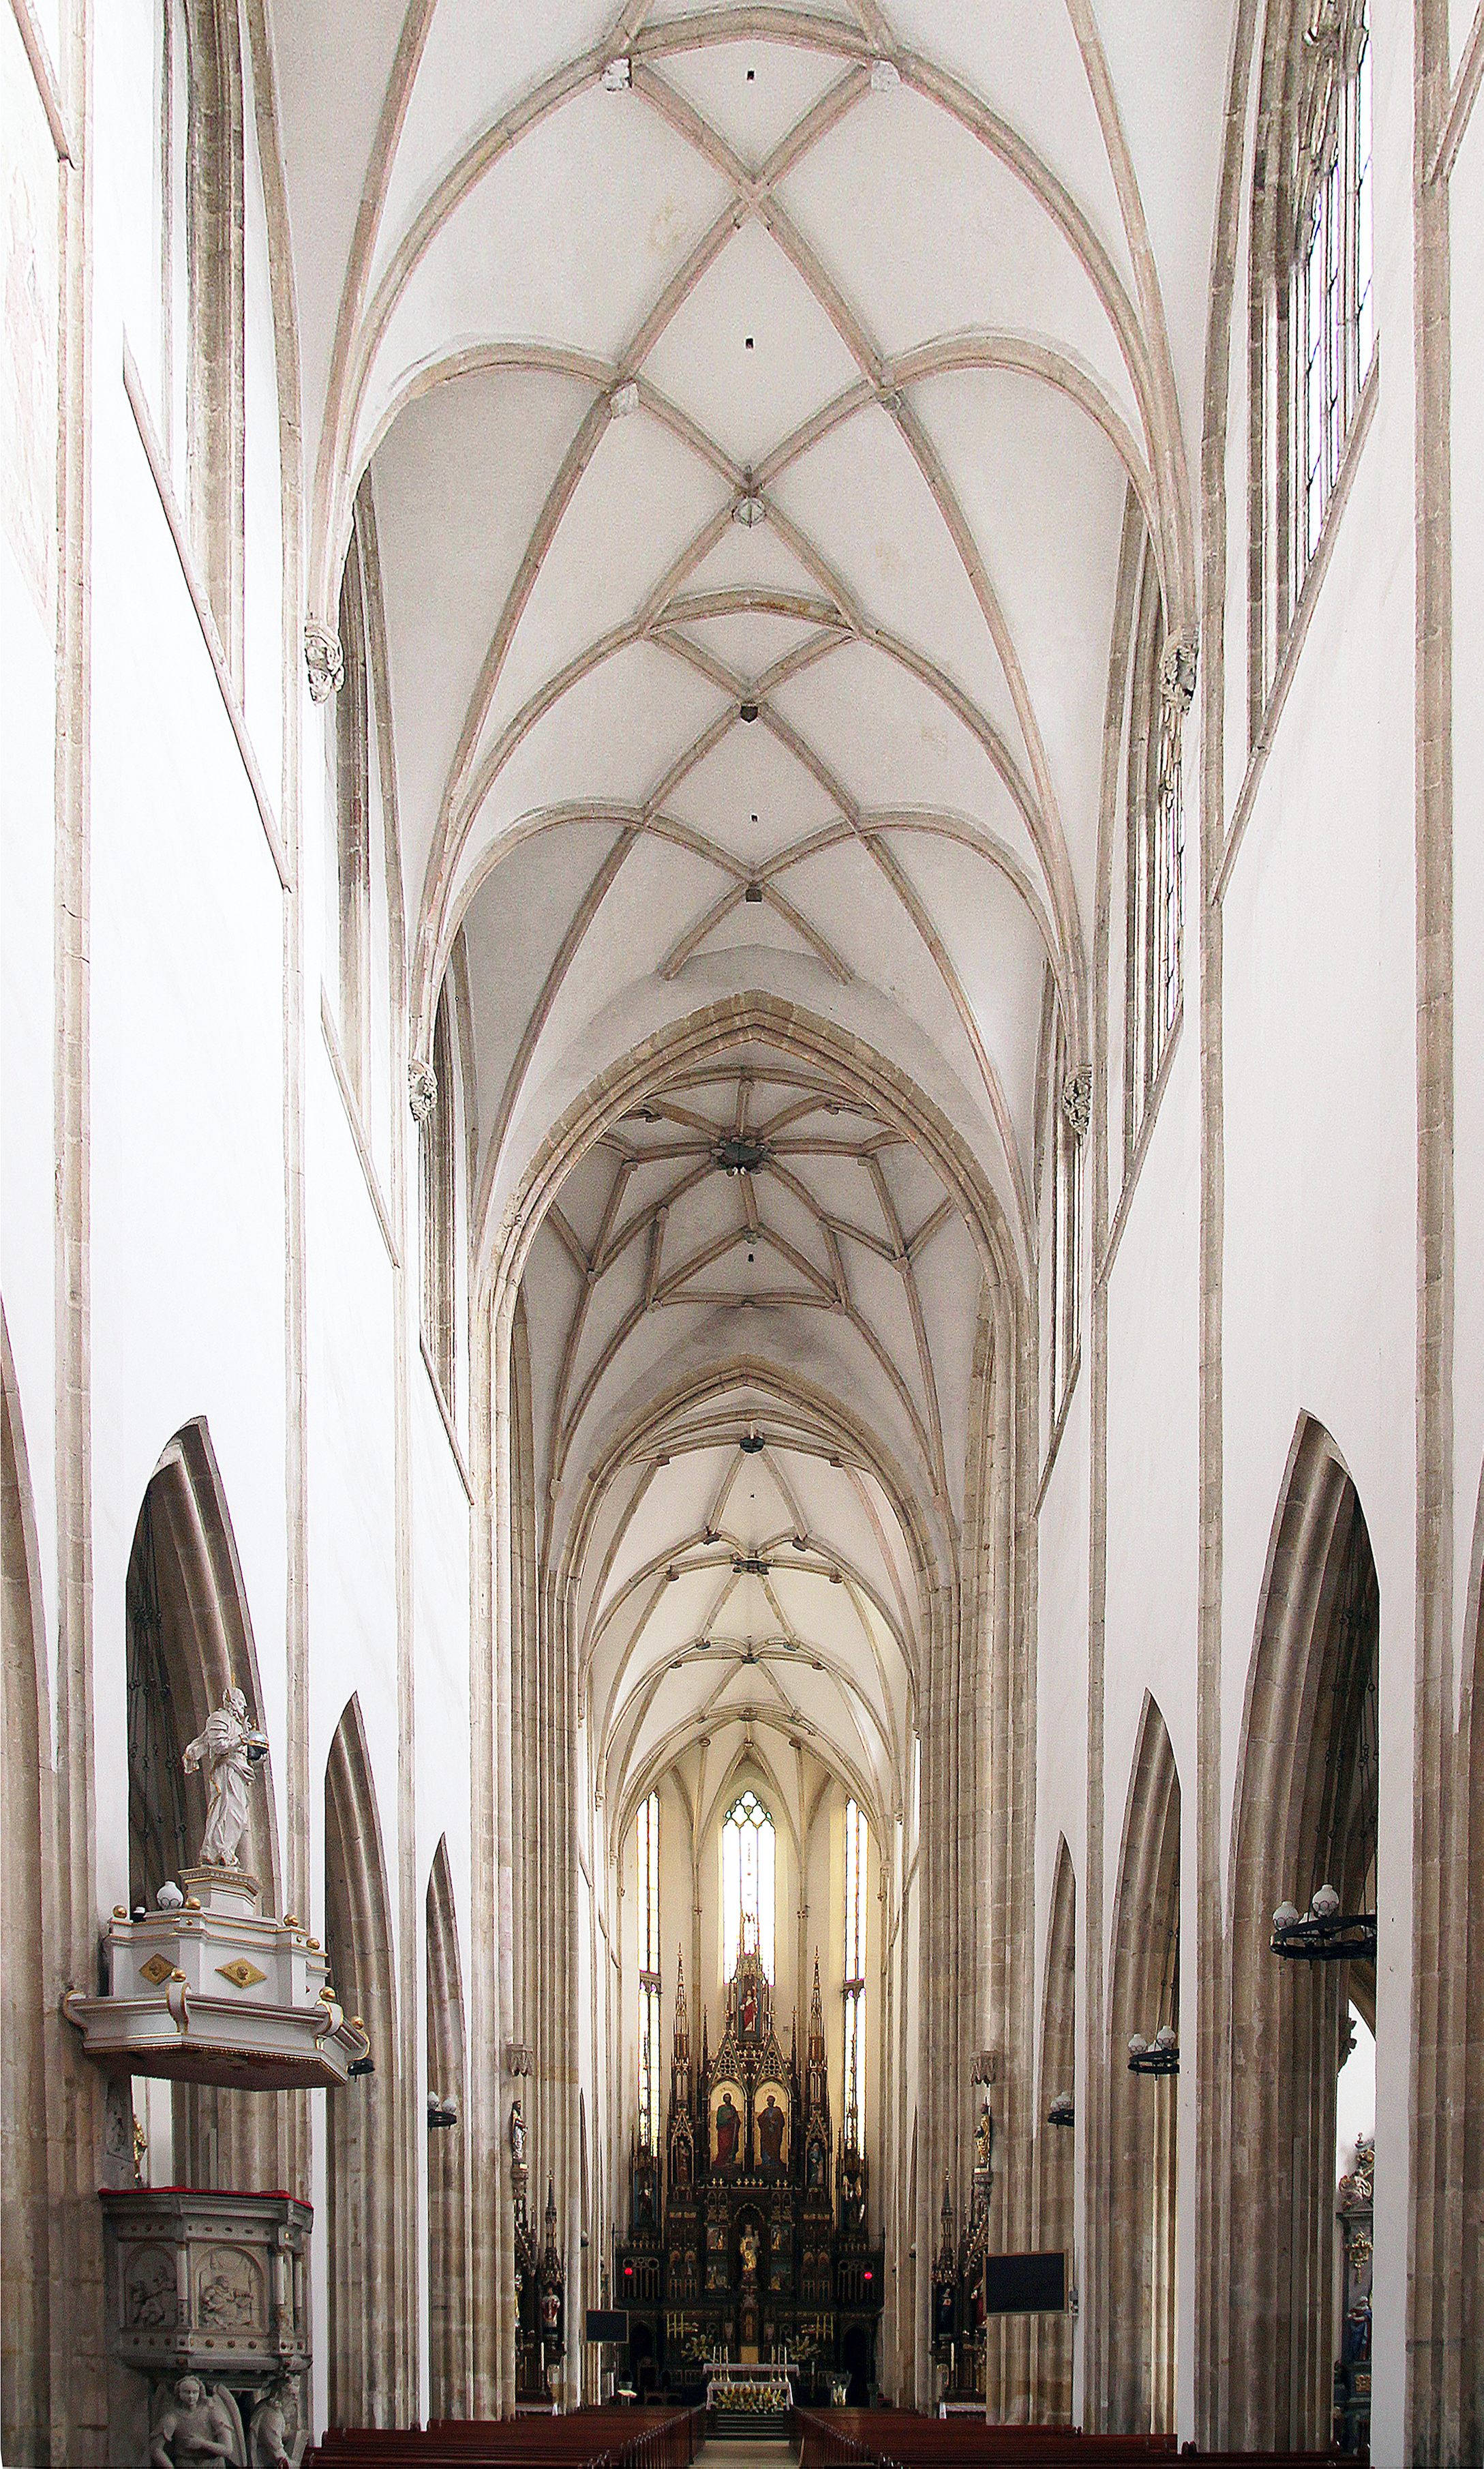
(1324, 1934)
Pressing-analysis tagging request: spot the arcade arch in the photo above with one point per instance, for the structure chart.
(1305, 1816)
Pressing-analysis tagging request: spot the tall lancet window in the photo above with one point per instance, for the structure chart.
(749, 1848)
(1333, 322)
(855, 1973)
(649, 1973)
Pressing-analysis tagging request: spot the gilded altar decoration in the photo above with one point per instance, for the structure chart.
(748, 2238)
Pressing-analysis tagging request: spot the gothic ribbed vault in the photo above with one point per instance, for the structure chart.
(751, 397)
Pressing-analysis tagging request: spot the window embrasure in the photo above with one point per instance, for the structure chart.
(438, 1119)
(1068, 1109)
(748, 1863)
(1314, 320)
(853, 2121)
(647, 1902)
(200, 398)
(353, 827)
(1162, 690)
(1332, 323)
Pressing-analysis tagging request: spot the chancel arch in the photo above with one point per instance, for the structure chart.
(744, 1548)
(1305, 1819)
(1138, 2363)
(371, 2274)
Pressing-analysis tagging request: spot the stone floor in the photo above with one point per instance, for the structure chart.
(744, 2452)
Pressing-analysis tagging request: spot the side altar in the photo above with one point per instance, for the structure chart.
(748, 2240)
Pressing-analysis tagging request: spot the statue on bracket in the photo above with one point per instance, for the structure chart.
(229, 1748)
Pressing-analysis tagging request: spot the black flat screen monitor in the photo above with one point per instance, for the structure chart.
(607, 2324)
(1025, 2284)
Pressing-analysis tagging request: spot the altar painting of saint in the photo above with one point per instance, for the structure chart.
(727, 2122)
(772, 2119)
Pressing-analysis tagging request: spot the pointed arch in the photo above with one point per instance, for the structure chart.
(447, 2154)
(27, 1930)
(1138, 2365)
(1055, 2145)
(188, 1639)
(370, 2271)
(189, 1622)
(1305, 1814)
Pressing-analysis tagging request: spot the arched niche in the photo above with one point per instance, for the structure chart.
(188, 1639)
(26, 1931)
(1139, 2369)
(448, 2156)
(1305, 1816)
(369, 2273)
(1054, 2145)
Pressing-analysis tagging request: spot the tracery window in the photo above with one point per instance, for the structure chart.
(1332, 323)
(748, 1857)
(855, 1973)
(439, 1199)
(353, 829)
(649, 1973)
(174, 59)
(1067, 1100)
(200, 387)
(1163, 679)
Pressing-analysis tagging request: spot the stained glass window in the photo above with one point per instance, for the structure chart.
(649, 1973)
(748, 1849)
(855, 1971)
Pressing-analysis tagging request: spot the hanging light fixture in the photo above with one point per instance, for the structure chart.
(1161, 2056)
(1324, 1934)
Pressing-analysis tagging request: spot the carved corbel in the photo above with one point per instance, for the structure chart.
(421, 1090)
(1077, 1100)
(1177, 663)
(325, 661)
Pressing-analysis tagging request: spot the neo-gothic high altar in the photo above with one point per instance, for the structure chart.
(750, 2241)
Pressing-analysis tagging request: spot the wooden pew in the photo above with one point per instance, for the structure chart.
(589, 2439)
(902, 2439)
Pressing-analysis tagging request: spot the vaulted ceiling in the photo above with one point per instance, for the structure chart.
(753, 399)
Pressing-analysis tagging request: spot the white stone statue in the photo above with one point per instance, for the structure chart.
(197, 2426)
(271, 2430)
(229, 1748)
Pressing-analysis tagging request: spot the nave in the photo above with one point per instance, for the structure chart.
(741, 1226)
